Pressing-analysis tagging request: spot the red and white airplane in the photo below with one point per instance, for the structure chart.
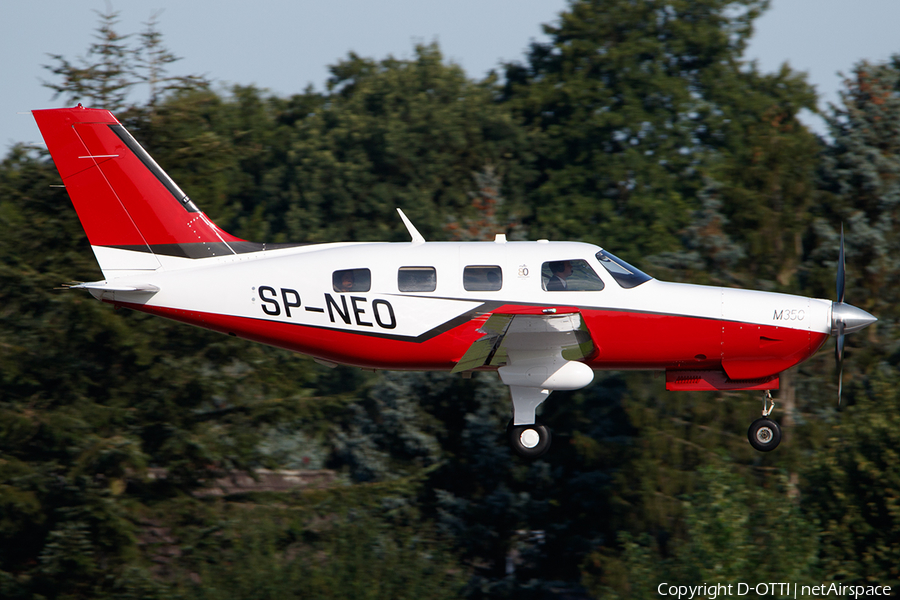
(543, 314)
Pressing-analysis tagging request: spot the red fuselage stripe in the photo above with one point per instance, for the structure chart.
(624, 340)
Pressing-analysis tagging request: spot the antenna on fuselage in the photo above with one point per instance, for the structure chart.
(413, 232)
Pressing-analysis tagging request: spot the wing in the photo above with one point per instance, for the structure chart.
(507, 336)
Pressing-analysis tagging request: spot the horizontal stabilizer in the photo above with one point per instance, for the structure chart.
(106, 286)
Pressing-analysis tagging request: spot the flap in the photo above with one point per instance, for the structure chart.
(531, 333)
(483, 350)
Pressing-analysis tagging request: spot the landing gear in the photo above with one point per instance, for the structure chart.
(764, 433)
(529, 441)
(528, 437)
(535, 369)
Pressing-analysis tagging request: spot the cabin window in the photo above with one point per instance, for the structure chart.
(417, 279)
(352, 280)
(574, 275)
(482, 279)
(624, 274)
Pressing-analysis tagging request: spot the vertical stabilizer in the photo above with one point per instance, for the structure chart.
(131, 210)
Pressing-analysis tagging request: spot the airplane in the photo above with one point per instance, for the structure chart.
(543, 315)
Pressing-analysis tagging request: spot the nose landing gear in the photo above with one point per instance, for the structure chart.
(765, 434)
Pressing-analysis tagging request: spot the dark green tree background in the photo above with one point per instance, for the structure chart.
(637, 126)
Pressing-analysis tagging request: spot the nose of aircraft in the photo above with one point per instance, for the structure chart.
(852, 318)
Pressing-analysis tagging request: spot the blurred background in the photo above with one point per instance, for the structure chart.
(145, 459)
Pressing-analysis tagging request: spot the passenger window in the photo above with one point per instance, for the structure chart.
(482, 279)
(416, 279)
(352, 280)
(570, 276)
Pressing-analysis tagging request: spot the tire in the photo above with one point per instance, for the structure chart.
(529, 441)
(764, 434)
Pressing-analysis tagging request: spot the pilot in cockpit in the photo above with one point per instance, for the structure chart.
(561, 269)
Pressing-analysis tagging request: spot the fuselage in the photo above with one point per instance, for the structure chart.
(292, 298)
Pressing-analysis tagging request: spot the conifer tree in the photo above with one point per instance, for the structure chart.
(102, 78)
(852, 487)
(395, 133)
(853, 479)
(151, 60)
(620, 110)
(860, 171)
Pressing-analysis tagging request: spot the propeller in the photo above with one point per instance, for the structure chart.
(844, 318)
(839, 323)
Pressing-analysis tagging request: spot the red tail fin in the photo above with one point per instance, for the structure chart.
(124, 199)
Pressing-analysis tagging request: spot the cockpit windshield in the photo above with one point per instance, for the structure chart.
(624, 274)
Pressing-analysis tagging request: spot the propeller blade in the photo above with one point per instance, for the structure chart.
(839, 357)
(840, 383)
(844, 318)
(839, 320)
(841, 267)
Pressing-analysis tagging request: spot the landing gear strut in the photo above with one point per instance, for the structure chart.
(765, 434)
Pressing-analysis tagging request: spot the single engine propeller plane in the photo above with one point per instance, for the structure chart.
(542, 314)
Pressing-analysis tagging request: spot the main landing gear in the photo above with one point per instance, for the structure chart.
(765, 434)
(527, 436)
(529, 441)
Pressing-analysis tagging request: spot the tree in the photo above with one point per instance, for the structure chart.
(103, 77)
(621, 110)
(637, 126)
(860, 173)
(107, 74)
(653, 138)
(488, 202)
(94, 397)
(853, 478)
(766, 173)
(394, 133)
(758, 186)
(151, 60)
(732, 526)
(853, 486)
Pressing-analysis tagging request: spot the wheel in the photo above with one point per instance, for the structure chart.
(529, 441)
(764, 434)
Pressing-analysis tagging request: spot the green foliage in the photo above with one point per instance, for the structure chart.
(394, 133)
(861, 173)
(733, 527)
(621, 107)
(856, 479)
(92, 397)
(758, 187)
(765, 180)
(636, 126)
(488, 203)
(109, 72)
(151, 60)
(102, 77)
(339, 555)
